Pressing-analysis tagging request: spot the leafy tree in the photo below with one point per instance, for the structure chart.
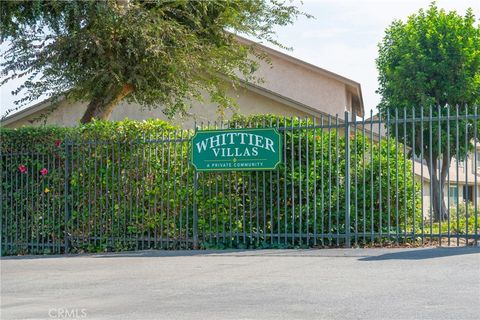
(432, 60)
(164, 52)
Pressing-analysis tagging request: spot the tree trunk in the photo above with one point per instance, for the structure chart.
(437, 183)
(101, 107)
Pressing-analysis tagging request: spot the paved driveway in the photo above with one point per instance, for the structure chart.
(267, 284)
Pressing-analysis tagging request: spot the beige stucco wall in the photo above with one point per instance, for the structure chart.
(304, 85)
(68, 113)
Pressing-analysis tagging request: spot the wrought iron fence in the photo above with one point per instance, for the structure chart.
(408, 177)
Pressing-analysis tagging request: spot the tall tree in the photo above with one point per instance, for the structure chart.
(433, 61)
(156, 52)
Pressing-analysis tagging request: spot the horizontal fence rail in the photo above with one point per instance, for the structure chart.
(404, 178)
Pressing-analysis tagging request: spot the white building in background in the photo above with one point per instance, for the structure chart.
(463, 178)
(462, 184)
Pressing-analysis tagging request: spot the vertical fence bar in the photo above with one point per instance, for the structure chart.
(355, 183)
(148, 185)
(169, 179)
(430, 143)
(387, 125)
(138, 187)
(422, 157)
(364, 189)
(122, 195)
(372, 167)
(285, 201)
(39, 212)
(315, 181)
(405, 173)
(195, 210)
(440, 166)
(102, 174)
(3, 198)
(475, 185)
(380, 180)
(23, 206)
(112, 197)
(176, 180)
(68, 148)
(9, 210)
(32, 223)
(271, 208)
(223, 205)
(307, 176)
(322, 197)
(347, 180)
(18, 204)
(142, 194)
(94, 179)
(466, 175)
(300, 181)
(278, 188)
(237, 204)
(457, 145)
(397, 230)
(414, 214)
(105, 213)
(292, 164)
(194, 203)
(162, 190)
(187, 182)
(448, 174)
(337, 181)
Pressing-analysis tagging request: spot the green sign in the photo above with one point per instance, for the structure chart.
(236, 149)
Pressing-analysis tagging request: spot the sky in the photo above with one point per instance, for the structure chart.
(342, 38)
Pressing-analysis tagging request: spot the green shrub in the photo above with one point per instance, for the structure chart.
(375, 168)
(458, 223)
(130, 186)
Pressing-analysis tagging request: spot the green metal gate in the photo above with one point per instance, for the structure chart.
(342, 183)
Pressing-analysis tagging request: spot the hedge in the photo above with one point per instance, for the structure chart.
(130, 186)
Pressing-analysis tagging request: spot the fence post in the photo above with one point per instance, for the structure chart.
(68, 151)
(195, 212)
(347, 180)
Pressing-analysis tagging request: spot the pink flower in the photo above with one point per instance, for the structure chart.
(22, 168)
(58, 143)
(44, 171)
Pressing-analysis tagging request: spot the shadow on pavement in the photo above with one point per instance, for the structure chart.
(366, 254)
(128, 254)
(422, 254)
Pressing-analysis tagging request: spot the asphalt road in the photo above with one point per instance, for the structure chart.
(432, 283)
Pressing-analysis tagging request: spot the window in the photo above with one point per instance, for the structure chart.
(453, 192)
(468, 193)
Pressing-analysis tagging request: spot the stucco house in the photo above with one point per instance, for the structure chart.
(291, 87)
(462, 184)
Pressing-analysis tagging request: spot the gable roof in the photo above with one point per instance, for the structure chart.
(25, 112)
(43, 105)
